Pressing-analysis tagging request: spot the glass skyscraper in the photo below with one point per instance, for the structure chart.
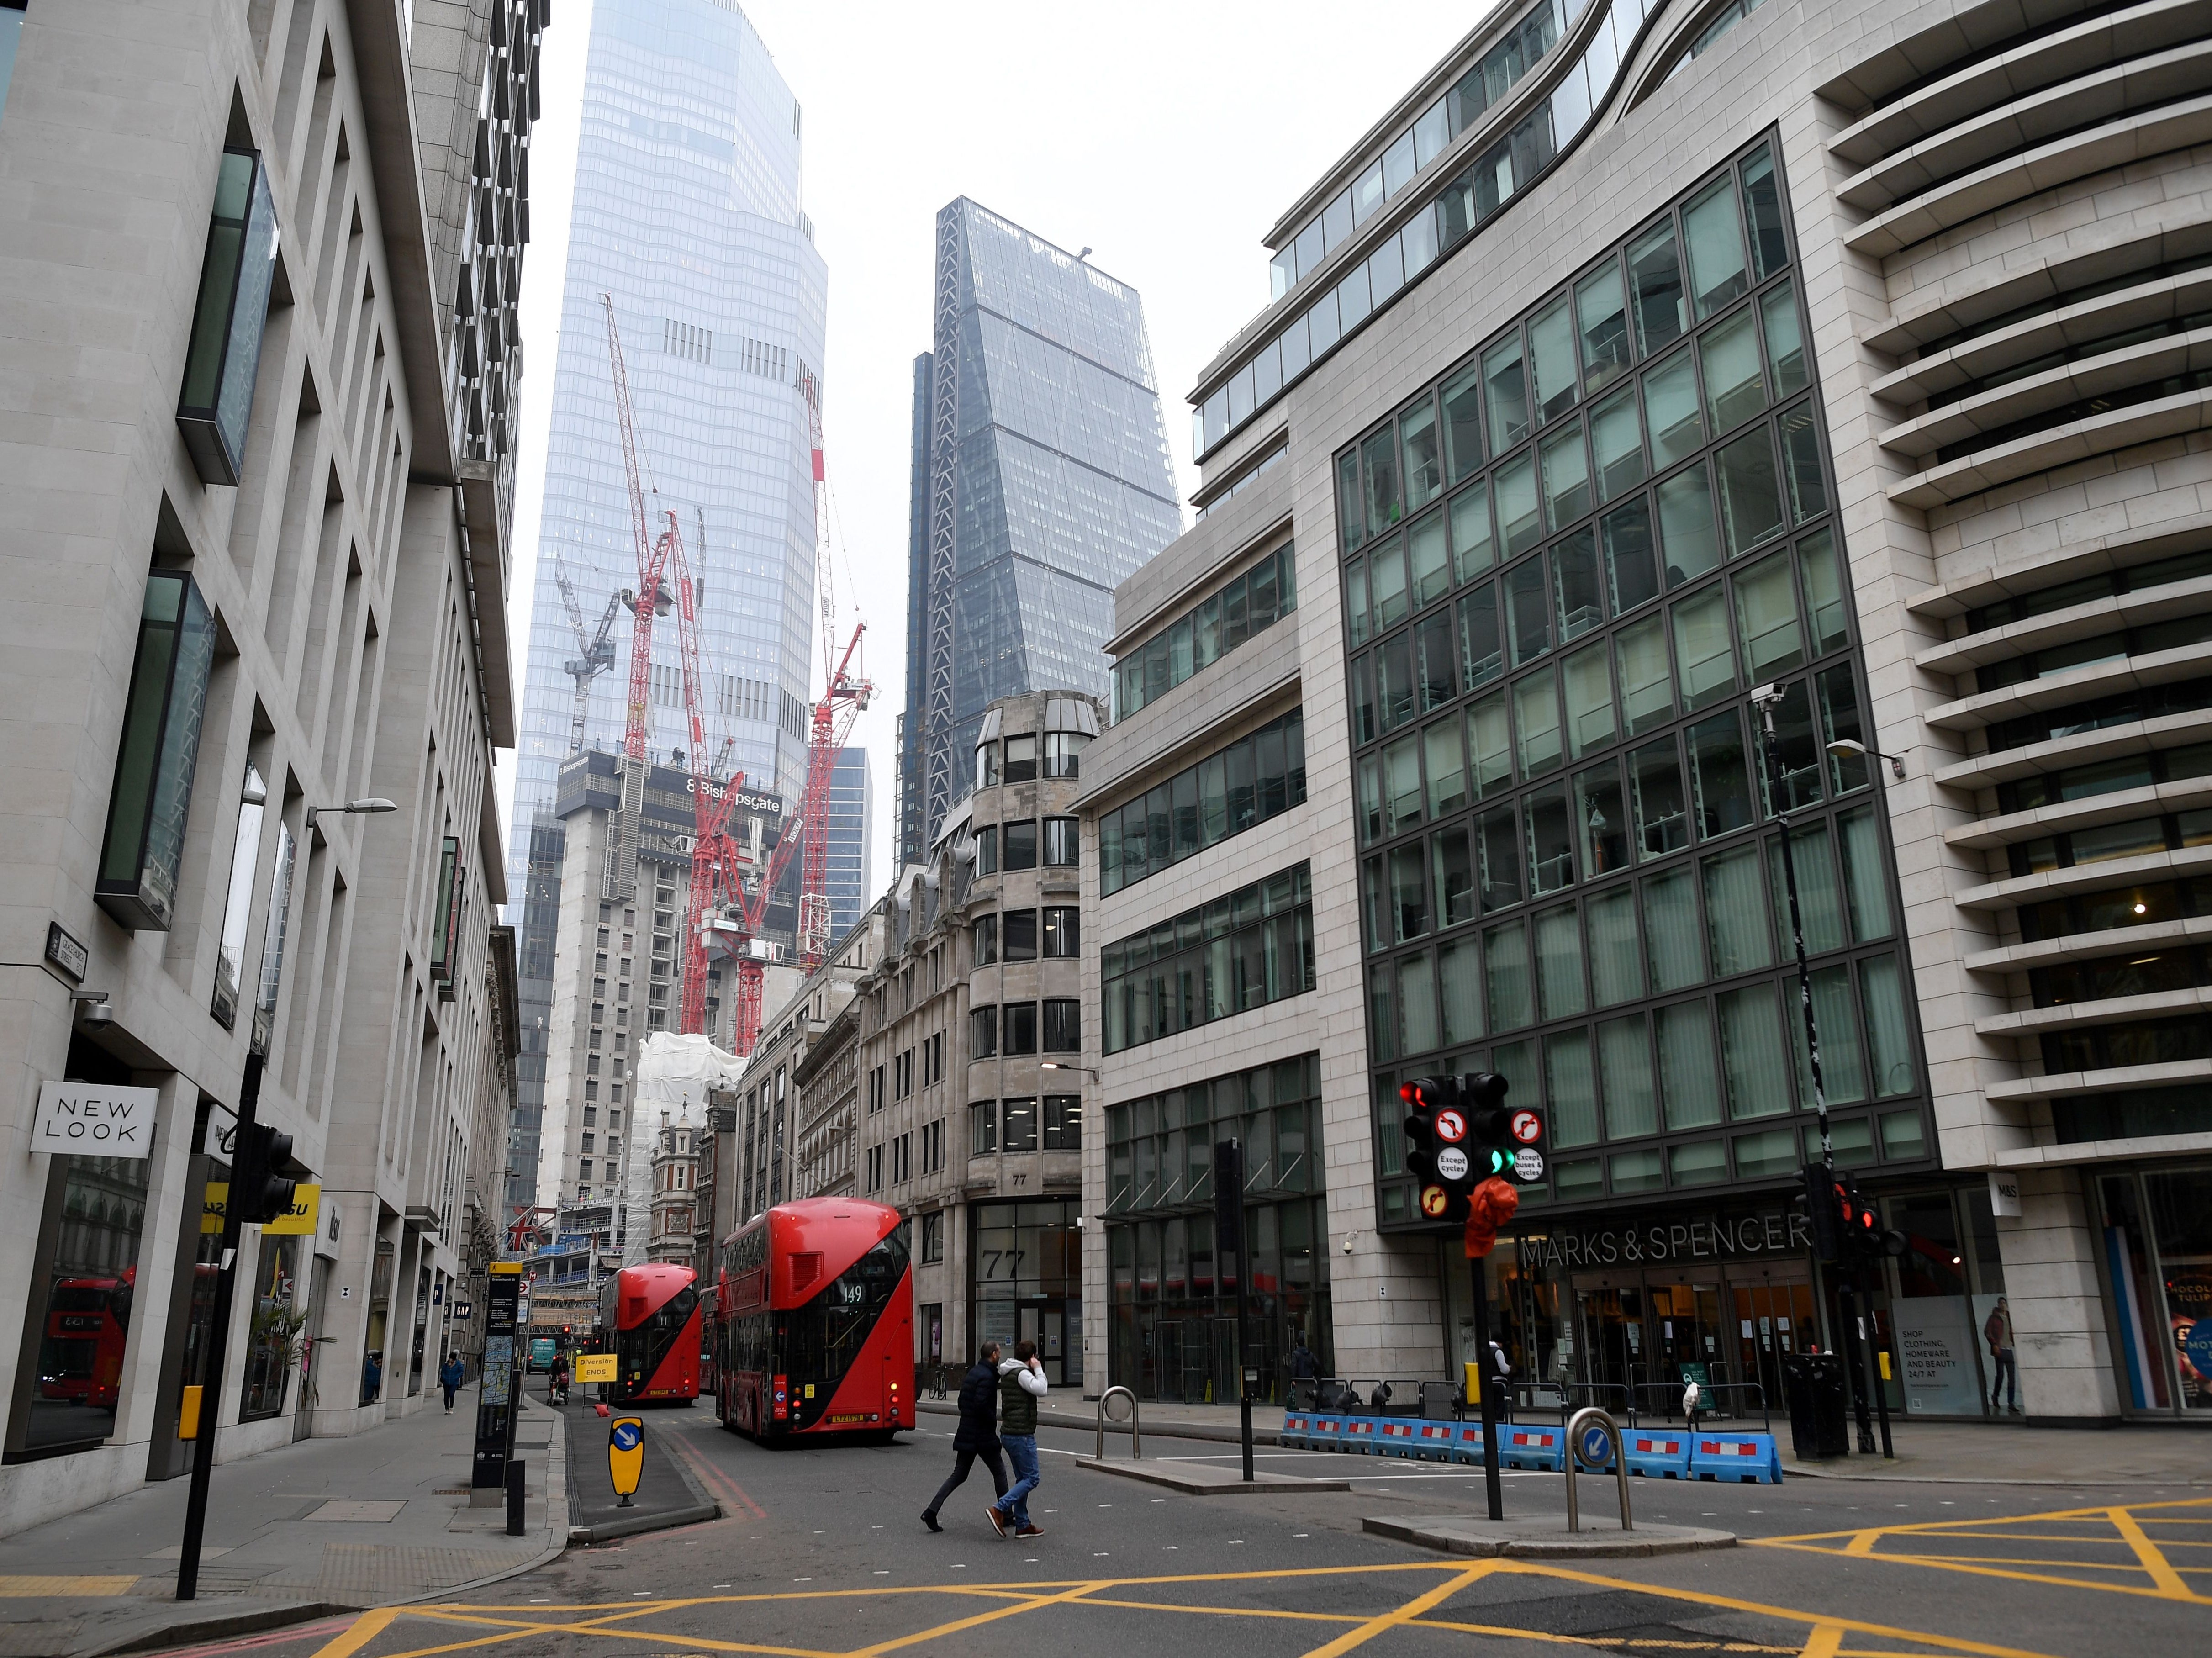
(1041, 479)
(851, 804)
(687, 214)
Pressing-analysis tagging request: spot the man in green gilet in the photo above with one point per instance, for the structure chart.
(1021, 1384)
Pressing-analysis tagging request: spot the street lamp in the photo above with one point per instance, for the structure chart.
(1056, 1064)
(353, 808)
(1845, 749)
(1764, 698)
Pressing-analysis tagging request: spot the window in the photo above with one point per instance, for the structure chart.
(876, 1089)
(1063, 934)
(983, 1043)
(157, 754)
(1250, 780)
(1241, 952)
(983, 1129)
(1019, 1125)
(1062, 842)
(1063, 1122)
(904, 1069)
(987, 940)
(222, 355)
(1021, 760)
(1247, 605)
(933, 1146)
(933, 1237)
(987, 765)
(1020, 843)
(1018, 929)
(903, 1159)
(1063, 1025)
(1063, 753)
(987, 850)
(1018, 1024)
(874, 1179)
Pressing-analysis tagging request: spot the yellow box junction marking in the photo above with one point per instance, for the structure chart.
(1825, 1631)
(2121, 1528)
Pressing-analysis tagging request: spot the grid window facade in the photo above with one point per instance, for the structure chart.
(1566, 564)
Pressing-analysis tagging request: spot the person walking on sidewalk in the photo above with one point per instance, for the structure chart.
(1021, 1384)
(449, 1377)
(1998, 1334)
(978, 1436)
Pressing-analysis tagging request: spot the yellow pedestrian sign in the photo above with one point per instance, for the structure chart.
(625, 1455)
(597, 1367)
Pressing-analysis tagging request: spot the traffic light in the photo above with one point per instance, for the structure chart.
(1438, 1151)
(1867, 1242)
(1506, 1141)
(1823, 1201)
(259, 1194)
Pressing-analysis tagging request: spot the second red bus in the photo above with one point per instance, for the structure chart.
(650, 1317)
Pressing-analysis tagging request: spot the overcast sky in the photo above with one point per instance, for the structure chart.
(1165, 138)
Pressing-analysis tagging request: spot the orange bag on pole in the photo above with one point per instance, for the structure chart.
(1492, 1206)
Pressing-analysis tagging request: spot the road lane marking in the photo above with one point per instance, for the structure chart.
(1405, 1613)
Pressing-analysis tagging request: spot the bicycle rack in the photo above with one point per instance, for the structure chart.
(1590, 1416)
(1136, 1441)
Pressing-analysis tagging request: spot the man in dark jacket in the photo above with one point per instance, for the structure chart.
(979, 1432)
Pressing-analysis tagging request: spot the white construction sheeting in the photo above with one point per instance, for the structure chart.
(673, 1074)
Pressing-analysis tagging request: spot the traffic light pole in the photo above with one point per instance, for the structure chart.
(188, 1562)
(1488, 1396)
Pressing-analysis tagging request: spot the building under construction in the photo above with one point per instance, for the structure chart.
(622, 856)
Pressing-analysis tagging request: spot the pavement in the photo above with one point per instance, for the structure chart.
(1597, 1538)
(316, 1527)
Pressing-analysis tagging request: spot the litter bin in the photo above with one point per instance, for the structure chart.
(1819, 1428)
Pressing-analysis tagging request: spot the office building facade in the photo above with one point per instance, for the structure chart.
(972, 1099)
(852, 823)
(272, 584)
(1040, 479)
(1654, 367)
(687, 214)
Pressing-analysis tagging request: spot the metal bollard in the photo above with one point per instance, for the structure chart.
(1136, 1440)
(514, 1526)
(1590, 1416)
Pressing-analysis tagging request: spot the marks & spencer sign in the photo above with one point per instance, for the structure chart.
(94, 1120)
(1704, 1237)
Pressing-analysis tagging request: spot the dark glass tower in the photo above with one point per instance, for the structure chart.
(1041, 479)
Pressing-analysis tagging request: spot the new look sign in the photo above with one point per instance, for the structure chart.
(94, 1120)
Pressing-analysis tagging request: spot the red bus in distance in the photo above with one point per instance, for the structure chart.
(815, 1323)
(80, 1358)
(649, 1318)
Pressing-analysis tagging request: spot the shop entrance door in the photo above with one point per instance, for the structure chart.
(1615, 1358)
(1774, 1318)
(1045, 1324)
(1683, 1336)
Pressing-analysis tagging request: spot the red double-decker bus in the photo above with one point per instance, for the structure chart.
(649, 1316)
(815, 1321)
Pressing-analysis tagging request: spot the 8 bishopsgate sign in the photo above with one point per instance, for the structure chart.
(94, 1120)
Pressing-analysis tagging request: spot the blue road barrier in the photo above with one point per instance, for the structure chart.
(1393, 1436)
(1325, 1431)
(1736, 1458)
(1466, 1442)
(1524, 1447)
(1296, 1432)
(1657, 1453)
(1359, 1435)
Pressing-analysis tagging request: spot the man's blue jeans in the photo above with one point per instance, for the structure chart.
(1022, 1452)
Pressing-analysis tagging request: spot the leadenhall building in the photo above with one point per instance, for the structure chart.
(1647, 364)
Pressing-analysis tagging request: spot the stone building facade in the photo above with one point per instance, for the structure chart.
(258, 570)
(973, 1091)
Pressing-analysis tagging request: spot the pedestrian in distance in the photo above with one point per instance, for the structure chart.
(1997, 1332)
(1021, 1384)
(978, 1436)
(449, 1377)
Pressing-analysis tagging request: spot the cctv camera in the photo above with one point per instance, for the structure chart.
(98, 1015)
(1347, 1243)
